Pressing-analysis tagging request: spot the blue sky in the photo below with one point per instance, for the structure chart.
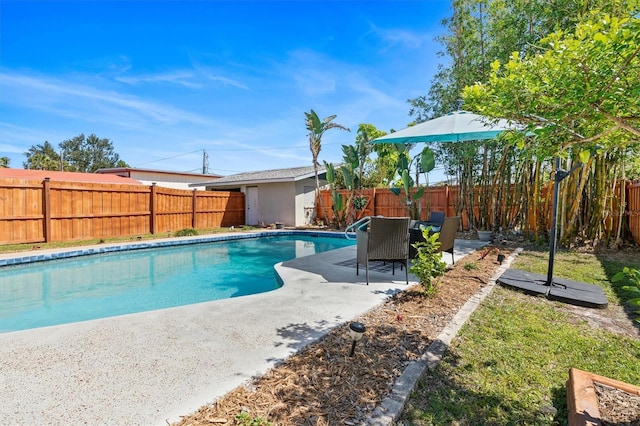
(165, 80)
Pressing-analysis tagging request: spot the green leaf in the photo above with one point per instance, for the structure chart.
(618, 276)
(338, 201)
(631, 289)
(348, 177)
(403, 163)
(350, 156)
(331, 175)
(418, 194)
(406, 181)
(427, 160)
(600, 37)
(584, 155)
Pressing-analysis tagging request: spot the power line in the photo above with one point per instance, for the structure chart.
(169, 158)
(236, 149)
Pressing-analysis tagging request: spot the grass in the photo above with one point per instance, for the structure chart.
(509, 364)
(14, 248)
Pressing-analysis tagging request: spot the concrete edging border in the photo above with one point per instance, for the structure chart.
(392, 406)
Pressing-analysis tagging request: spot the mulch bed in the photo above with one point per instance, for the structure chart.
(617, 407)
(323, 385)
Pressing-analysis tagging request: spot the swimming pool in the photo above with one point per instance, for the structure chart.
(97, 286)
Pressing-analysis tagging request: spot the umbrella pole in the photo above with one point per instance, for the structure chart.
(554, 223)
(560, 289)
(559, 176)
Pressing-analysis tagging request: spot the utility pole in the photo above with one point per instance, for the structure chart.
(205, 162)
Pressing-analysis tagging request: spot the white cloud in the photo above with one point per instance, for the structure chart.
(394, 38)
(180, 78)
(66, 99)
(227, 81)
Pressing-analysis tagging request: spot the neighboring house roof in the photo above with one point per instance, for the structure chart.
(65, 176)
(126, 171)
(293, 174)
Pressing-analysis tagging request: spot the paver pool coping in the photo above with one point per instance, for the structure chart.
(151, 368)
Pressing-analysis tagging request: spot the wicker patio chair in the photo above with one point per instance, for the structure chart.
(435, 220)
(447, 237)
(386, 239)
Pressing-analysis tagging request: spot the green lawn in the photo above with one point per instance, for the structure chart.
(13, 248)
(509, 364)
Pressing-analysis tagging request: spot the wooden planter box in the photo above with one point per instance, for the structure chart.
(582, 400)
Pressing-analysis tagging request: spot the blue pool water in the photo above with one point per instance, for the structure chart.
(98, 286)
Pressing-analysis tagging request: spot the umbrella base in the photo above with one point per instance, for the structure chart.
(566, 291)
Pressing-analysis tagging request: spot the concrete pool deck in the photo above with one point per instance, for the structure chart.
(151, 368)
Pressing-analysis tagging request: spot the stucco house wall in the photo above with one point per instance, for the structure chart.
(283, 195)
(277, 203)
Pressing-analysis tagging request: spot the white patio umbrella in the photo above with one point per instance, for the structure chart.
(457, 126)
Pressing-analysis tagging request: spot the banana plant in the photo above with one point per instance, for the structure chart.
(423, 162)
(339, 207)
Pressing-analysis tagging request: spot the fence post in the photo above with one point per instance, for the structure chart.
(152, 208)
(46, 207)
(193, 209)
(374, 203)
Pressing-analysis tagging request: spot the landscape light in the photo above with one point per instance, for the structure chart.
(356, 330)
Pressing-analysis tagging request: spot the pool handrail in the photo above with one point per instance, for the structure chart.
(358, 223)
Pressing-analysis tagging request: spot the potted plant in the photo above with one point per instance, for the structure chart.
(484, 235)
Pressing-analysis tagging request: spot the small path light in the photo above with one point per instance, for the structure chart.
(356, 330)
(500, 258)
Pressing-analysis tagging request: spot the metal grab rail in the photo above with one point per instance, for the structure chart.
(358, 223)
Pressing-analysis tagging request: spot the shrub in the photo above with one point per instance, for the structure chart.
(633, 275)
(187, 232)
(428, 262)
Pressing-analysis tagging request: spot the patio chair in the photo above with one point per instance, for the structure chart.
(386, 239)
(415, 230)
(447, 236)
(435, 221)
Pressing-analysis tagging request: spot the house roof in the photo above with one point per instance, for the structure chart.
(65, 176)
(126, 171)
(293, 174)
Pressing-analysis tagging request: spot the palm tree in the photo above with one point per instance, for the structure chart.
(316, 128)
(4, 162)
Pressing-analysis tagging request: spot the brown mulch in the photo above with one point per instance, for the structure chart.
(322, 385)
(617, 407)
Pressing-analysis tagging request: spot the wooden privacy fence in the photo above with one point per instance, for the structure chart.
(50, 211)
(381, 201)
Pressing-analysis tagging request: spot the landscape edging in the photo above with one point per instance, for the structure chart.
(392, 406)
